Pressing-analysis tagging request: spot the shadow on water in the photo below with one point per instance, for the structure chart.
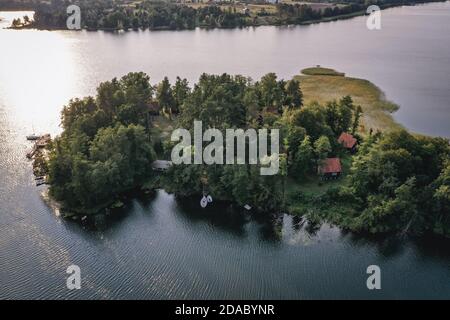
(109, 219)
(223, 216)
(432, 246)
(230, 218)
(220, 215)
(392, 245)
(387, 245)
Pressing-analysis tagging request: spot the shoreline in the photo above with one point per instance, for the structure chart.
(306, 193)
(317, 77)
(303, 23)
(377, 110)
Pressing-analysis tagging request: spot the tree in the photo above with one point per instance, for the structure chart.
(398, 182)
(294, 95)
(135, 89)
(345, 110)
(217, 101)
(339, 115)
(164, 95)
(16, 23)
(322, 147)
(332, 116)
(347, 101)
(395, 213)
(312, 118)
(441, 201)
(295, 136)
(103, 150)
(272, 92)
(108, 98)
(181, 91)
(303, 159)
(356, 119)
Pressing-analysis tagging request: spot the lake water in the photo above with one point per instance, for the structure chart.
(160, 248)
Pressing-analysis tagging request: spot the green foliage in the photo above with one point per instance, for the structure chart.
(339, 115)
(181, 91)
(356, 120)
(150, 14)
(241, 184)
(398, 182)
(294, 96)
(402, 182)
(164, 95)
(272, 93)
(104, 149)
(322, 147)
(217, 101)
(303, 160)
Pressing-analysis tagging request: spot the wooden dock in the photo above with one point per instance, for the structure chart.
(40, 143)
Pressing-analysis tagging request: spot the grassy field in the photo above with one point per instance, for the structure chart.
(323, 85)
(319, 71)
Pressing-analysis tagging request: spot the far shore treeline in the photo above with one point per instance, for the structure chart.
(395, 182)
(178, 15)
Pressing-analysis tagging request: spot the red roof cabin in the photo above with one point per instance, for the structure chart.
(348, 141)
(330, 168)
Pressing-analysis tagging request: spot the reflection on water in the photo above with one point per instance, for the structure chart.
(162, 247)
(409, 58)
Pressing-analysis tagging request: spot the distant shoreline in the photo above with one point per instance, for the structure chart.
(251, 25)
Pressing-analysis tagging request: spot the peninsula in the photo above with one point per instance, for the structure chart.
(343, 159)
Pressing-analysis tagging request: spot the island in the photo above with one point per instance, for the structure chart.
(343, 159)
(179, 14)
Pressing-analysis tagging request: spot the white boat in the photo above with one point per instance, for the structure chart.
(33, 137)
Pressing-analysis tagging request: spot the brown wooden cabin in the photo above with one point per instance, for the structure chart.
(330, 168)
(348, 142)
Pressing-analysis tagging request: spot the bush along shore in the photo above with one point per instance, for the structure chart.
(333, 165)
(168, 15)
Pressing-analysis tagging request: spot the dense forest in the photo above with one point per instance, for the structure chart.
(154, 14)
(396, 182)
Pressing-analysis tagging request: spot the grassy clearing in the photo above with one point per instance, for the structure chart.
(319, 71)
(323, 85)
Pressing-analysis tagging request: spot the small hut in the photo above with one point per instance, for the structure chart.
(348, 141)
(161, 165)
(330, 168)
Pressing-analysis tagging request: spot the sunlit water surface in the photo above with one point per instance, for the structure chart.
(158, 247)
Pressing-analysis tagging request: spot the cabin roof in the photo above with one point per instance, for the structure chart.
(330, 165)
(347, 140)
